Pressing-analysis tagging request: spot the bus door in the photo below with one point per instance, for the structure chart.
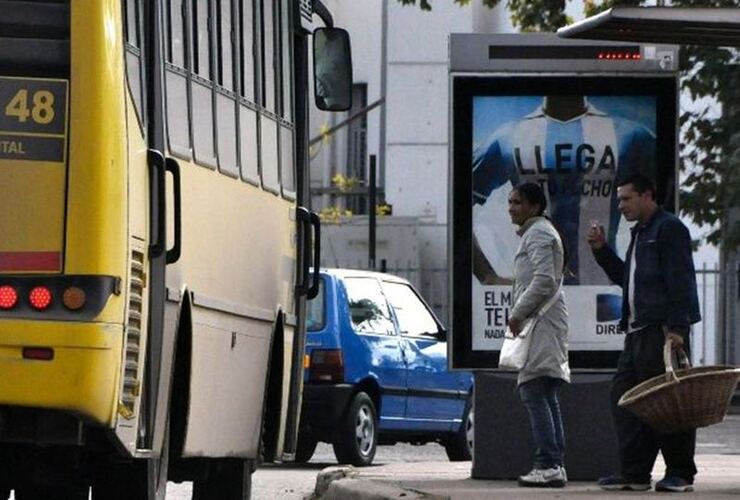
(145, 386)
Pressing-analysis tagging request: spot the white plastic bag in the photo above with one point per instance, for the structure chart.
(515, 350)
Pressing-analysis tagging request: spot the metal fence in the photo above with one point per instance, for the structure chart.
(433, 285)
(704, 338)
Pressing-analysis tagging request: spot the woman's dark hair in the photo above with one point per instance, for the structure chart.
(535, 195)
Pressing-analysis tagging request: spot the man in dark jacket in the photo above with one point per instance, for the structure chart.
(659, 301)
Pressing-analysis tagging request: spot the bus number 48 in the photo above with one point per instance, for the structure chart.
(42, 111)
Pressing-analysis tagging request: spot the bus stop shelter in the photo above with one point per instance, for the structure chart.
(675, 25)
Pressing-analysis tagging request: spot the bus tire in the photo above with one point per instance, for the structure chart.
(224, 479)
(143, 479)
(66, 492)
(52, 479)
(357, 439)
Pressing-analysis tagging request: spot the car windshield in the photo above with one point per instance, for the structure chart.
(315, 310)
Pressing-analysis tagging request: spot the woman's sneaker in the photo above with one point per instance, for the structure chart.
(619, 483)
(544, 478)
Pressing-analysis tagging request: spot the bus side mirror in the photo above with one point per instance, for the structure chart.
(332, 69)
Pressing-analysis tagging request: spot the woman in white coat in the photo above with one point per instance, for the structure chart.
(539, 264)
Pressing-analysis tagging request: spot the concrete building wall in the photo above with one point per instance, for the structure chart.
(414, 174)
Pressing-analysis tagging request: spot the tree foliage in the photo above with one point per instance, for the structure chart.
(710, 154)
(427, 5)
(710, 145)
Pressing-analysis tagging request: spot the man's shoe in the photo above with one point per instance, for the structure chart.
(544, 478)
(674, 484)
(619, 483)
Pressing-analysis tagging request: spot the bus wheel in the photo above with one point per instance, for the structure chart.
(59, 492)
(224, 479)
(144, 479)
(123, 481)
(50, 480)
(357, 437)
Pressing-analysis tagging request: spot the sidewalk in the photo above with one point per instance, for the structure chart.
(718, 478)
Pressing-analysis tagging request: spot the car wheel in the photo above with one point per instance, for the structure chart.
(305, 448)
(357, 439)
(459, 446)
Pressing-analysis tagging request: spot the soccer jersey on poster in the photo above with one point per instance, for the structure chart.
(578, 163)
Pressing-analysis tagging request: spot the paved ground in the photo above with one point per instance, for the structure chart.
(718, 478)
(718, 460)
(426, 467)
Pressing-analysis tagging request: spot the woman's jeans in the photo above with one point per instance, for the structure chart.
(540, 398)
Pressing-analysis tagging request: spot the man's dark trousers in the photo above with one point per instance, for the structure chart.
(639, 444)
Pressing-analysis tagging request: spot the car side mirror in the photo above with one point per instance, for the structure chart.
(442, 334)
(332, 69)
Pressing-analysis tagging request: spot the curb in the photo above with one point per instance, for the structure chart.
(342, 483)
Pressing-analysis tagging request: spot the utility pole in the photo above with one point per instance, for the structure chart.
(383, 88)
(371, 201)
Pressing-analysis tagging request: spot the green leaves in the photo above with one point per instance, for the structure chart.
(426, 4)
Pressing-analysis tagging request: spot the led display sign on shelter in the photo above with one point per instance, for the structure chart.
(575, 117)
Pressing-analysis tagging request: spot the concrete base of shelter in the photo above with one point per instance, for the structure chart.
(503, 444)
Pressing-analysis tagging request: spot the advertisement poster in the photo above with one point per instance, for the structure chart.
(577, 147)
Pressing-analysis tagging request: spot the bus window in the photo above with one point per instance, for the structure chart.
(132, 18)
(202, 86)
(225, 99)
(201, 42)
(248, 125)
(176, 40)
(178, 129)
(286, 34)
(225, 44)
(268, 54)
(246, 54)
(133, 55)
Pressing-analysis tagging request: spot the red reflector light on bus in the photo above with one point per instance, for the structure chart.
(8, 297)
(40, 297)
(38, 353)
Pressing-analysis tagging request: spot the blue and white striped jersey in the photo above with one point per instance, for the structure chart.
(577, 162)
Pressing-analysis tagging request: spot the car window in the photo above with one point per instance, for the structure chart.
(367, 306)
(315, 311)
(413, 316)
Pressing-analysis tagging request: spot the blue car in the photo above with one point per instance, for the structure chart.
(376, 371)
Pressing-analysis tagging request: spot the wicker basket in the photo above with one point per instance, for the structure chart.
(682, 399)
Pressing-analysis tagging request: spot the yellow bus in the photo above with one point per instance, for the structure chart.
(154, 247)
